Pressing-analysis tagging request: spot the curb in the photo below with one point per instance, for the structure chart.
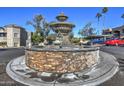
(111, 69)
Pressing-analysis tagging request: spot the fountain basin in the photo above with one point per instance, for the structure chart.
(61, 60)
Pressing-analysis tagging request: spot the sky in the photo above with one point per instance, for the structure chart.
(80, 16)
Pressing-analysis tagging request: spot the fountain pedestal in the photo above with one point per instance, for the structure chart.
(66, 41)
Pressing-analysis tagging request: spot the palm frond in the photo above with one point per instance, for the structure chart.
(98, 16)
(105, 10)
(122, 16)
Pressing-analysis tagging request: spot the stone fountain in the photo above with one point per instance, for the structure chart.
(62, 28)
(54, 65)
(68, 58)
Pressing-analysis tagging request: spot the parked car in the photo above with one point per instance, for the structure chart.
(117, 42)
(97, 41)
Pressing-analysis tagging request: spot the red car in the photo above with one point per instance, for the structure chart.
(114, 42)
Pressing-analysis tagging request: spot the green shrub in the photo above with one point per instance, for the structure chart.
(36, 38)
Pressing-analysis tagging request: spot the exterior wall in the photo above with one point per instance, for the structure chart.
(9, 35)
(16, 39)
(23, 37)
(61, 61)
(122, 32)
(3, 38)
(13, 41)
(15, 36)
(114, 31)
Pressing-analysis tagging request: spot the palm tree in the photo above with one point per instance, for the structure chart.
(122, 16)
(104, 11)
(98, 16)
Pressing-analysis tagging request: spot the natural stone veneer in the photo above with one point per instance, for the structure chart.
(61, 61)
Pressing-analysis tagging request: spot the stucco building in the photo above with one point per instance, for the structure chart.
(12, 36)
(117, 32)
(3, 37)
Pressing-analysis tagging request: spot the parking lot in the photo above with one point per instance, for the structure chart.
(5, 56)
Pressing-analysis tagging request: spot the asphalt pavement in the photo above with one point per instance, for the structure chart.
(8, 54)
(118, 52)
(5, 56)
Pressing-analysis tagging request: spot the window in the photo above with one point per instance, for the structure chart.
(2, 34)
(110, 32)
(15, 44)
(122, 30)
(15, 34)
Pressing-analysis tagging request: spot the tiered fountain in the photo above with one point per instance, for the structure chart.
(64, 59)
(65, 64)
(62, 28)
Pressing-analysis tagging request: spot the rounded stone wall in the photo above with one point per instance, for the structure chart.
(61, 60)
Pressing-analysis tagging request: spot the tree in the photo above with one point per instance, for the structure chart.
(36, 38)
(51, 37)
(87, 30)
(104, 11)
(75, 40)
(122, 16)
(36, 23)
(71, 35)
(46, 29)
(98, 16)
(41, 28)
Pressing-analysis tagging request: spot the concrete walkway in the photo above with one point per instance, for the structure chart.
(104, 70)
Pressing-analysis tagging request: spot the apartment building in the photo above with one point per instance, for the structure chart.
(3, 37)
(12, 36)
